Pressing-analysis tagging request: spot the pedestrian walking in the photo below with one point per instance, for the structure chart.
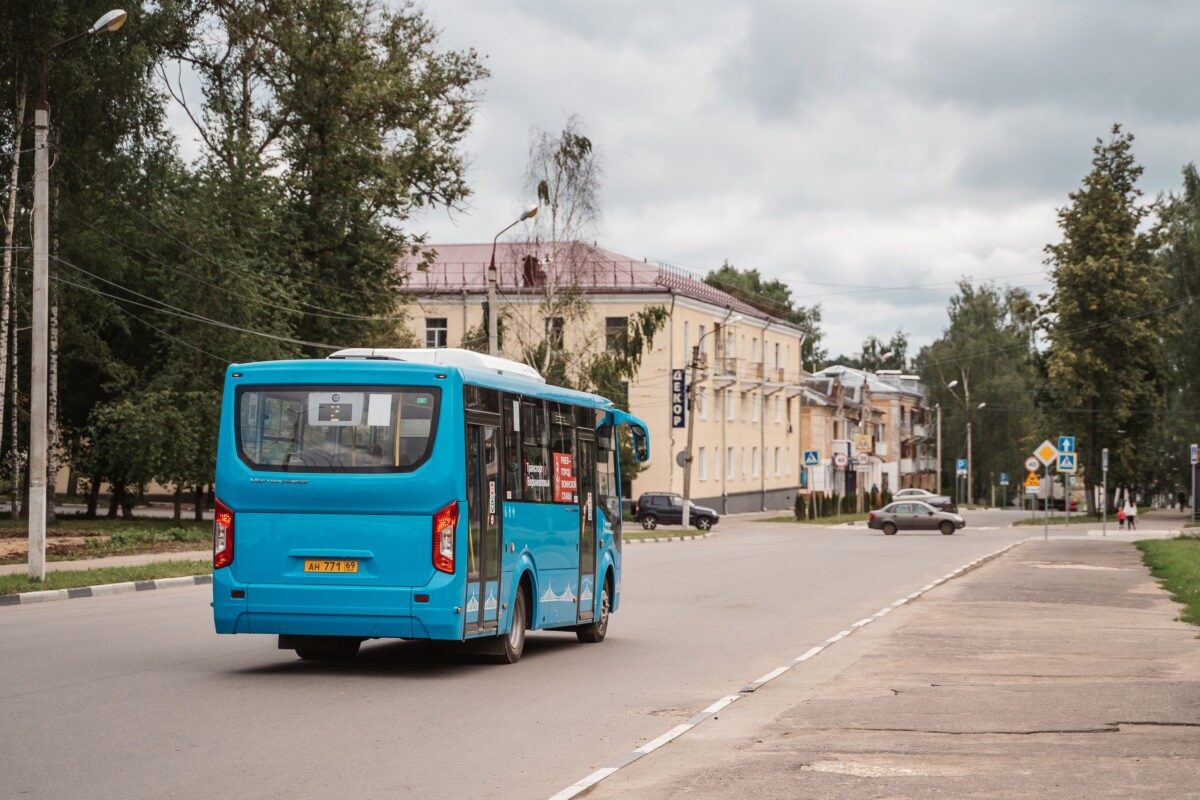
(1121, 518)
(1182, 500)
(1131, 514)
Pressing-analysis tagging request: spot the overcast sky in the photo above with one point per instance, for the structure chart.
(831, 145)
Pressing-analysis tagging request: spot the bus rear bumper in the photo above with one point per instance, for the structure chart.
(375, 612)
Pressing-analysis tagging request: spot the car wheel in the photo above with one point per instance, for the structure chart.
(594, 633)
(649, 522)
(889, 529)
(947, 528)
(703, 523)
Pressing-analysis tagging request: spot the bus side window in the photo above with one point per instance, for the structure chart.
(478, 398)
(512, 447)
(535, 457)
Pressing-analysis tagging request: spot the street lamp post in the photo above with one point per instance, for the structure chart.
(40, 302)
(691, 419)
(966, 400)
(493, 313)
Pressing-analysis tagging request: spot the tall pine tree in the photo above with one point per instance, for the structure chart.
(1105, 371)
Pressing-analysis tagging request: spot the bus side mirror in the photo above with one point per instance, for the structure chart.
(641, 443)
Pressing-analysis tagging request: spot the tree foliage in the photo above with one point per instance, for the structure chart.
(1105, 373)
(986, 347)
(775, 298)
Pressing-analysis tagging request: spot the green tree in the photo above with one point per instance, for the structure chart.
(775, 298)
(1179, 256)
(1105, 371)
(987, 346)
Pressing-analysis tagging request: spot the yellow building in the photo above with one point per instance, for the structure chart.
(747, 450)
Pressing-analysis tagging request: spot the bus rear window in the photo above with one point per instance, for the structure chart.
(332, 430)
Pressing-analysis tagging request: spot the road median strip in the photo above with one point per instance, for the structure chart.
(99, 583)
(592, 779)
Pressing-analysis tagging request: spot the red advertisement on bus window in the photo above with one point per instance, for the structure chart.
(564, 478)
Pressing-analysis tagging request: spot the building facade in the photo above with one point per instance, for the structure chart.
(746, 449)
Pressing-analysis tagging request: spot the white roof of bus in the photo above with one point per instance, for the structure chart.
(445, 356)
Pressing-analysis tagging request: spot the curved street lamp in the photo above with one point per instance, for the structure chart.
(493, 313)
(40, 303)
(691, 418)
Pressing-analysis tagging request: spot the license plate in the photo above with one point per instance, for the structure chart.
(330, 565)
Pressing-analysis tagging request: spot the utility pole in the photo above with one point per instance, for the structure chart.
(493, 311)
(938, 406)
(40, 304)
(970, 461)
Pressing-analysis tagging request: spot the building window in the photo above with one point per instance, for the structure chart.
(435, 332)
(616, 332)
(745, 468)
(754, 350)
(700, 402)
(554, 333)
(754, 462)
(700, 343)
(729, 405)
(755, 402)
(730, 466)
(778, 410)
(687, 344)
(787, 461)
(777, 355)
(702, 463)
(777, 464)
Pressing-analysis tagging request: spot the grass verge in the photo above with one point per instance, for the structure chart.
(1176, 563)
(662, 533)
(819, 520)
(1061, 519)
(70, 579)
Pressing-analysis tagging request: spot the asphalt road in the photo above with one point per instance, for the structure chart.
(134, 696)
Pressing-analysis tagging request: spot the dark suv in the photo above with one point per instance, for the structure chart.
(653, 508)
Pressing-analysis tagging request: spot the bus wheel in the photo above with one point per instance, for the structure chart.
(512, 644)
(594, 633)
(649, 522)
(338, 649)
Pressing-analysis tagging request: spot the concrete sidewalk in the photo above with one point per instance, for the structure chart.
(112, 561)
(1058, 671)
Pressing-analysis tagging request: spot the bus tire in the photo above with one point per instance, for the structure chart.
(649, 522)
(889, 529)
(512, 644)
(595, 632)
(339, 649)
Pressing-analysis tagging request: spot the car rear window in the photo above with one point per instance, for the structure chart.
(330, 429)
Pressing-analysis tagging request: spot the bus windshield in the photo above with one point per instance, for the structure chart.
(336, 430)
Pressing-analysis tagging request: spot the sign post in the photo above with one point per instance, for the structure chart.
(1104, 490)
(1046, 452)
(1004, 486)
(1194, 452)
(1066, 464)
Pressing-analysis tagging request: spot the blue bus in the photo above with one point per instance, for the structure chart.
(416, 494)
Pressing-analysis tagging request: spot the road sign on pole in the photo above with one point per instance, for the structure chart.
(812, 458)
(1004, 479)
(1031, 464)
(960, 467)
(1194, 451)
(840, 459)
(1066, 462)
(862, 459)
(1066, 444)
(1104, 491)
(1045, 453)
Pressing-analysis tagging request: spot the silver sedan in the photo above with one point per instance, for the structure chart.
(913, 515)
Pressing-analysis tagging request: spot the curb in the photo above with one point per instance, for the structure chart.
(697, 537)
(588, 781)
(25, 598)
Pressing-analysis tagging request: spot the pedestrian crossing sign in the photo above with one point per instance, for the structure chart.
(812, 458)
(1066, 463)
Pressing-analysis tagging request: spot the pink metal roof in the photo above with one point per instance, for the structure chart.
(463, 267)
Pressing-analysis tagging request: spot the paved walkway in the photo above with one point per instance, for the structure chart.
(112, 561)
(1058, 671)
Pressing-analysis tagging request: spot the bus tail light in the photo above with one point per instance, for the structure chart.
(222, 535)
(444, 523)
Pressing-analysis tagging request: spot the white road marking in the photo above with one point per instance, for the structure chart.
(652, 745)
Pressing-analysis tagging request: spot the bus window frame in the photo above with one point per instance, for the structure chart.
(435, 419)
